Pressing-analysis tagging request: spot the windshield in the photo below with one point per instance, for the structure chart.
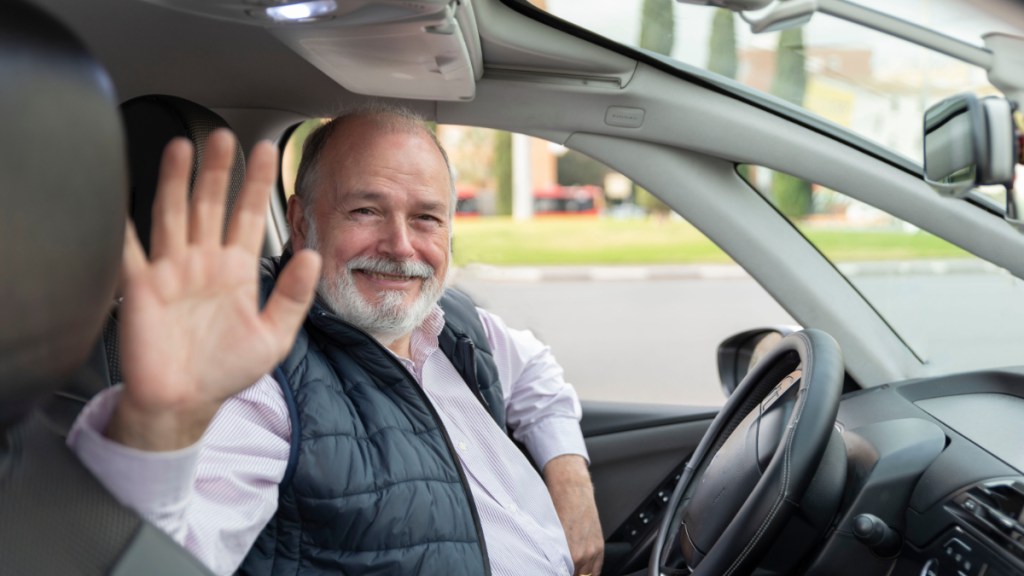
(875, 85)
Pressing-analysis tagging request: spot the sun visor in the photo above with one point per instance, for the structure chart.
(420, 49)
(429, 57)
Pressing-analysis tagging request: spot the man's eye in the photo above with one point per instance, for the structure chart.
(363, 211)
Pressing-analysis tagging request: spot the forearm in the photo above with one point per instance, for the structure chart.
(568, 481)
(213, 498)
(568, 473)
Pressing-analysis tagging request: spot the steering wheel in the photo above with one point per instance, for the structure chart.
(755, 463)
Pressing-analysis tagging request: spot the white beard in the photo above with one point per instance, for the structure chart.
(390, 317)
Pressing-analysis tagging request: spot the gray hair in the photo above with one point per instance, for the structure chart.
(393, 117)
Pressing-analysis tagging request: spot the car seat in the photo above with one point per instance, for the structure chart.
(62, 184)
(150, 123)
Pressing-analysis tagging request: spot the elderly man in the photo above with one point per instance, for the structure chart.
(380, 443)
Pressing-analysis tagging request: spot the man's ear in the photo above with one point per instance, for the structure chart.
(297, 222)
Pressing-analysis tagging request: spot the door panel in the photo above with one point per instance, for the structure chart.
(636, 452)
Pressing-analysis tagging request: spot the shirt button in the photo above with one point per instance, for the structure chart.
(563, 571)
(512, 508)
(463, 447)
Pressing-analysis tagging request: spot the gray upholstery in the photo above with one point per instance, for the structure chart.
(62, 187)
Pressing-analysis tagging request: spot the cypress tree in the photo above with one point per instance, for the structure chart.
(792, 194)
(657, 26)
(722, 46)
(657, 33)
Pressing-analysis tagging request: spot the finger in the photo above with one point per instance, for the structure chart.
(170, 207)
(249, 218)
(133, 259)
(292, 296)
(206, 217)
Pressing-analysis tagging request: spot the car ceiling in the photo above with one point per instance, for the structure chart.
(188, 56)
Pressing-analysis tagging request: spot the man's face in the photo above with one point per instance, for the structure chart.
(381, 220)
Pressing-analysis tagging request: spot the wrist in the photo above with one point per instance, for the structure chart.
(158, 430)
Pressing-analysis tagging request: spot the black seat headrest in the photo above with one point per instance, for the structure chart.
(62, 188)
(151, 122)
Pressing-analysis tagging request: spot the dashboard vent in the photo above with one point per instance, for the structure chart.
(996, 510)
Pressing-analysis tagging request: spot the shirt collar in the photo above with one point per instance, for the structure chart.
(425, 341)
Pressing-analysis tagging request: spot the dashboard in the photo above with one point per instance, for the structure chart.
(935, 479)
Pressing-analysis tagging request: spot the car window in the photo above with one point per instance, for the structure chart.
(632, 299)
(950, 307)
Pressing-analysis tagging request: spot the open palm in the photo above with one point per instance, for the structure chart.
(192, 331)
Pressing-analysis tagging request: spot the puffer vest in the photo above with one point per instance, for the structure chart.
(373, 485)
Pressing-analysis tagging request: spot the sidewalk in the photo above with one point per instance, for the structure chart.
(489, 273)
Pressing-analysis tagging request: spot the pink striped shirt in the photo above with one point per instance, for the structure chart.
(216, 496)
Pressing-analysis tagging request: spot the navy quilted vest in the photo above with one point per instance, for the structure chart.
(373, 484)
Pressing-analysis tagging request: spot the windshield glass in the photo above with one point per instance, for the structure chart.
(875, 85)
(936, 297)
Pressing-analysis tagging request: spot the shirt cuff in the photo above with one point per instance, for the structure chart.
(554, 436)
(152, 483)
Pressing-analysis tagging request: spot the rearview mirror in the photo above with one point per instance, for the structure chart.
(969, 142)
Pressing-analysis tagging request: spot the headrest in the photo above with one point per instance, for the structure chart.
(62, 188)
(151, 122)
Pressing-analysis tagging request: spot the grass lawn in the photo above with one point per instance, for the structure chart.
(581, 240)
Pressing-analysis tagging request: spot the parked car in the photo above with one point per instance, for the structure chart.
(886, 437)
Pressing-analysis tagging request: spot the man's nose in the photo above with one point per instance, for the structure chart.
(396, 240)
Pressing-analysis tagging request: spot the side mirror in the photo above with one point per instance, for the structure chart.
(969, 142)
(739, 353)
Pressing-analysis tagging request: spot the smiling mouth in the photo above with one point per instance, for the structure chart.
(387, 277)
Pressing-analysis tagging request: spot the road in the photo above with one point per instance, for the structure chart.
(651, 334)
(638, 340)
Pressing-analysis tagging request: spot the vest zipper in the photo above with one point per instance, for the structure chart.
(444, 433)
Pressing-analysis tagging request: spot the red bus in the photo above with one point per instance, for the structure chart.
(586, 200)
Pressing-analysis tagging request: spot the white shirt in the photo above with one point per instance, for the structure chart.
(215, 497)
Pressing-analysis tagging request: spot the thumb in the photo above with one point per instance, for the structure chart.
(291, 298)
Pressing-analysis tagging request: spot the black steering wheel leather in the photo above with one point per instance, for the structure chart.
(751, 470)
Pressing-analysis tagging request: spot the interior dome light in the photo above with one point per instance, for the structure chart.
(297, 11)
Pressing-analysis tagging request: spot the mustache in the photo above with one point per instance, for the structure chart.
(409, 268)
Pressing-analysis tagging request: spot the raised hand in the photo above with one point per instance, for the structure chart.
(192, 333)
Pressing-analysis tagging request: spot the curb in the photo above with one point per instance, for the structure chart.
(491, 273)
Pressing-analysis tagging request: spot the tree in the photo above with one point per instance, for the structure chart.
(657, 33)
(792, 194)
(657, 26)
(722, 46)
(790, 81)
(503, 172)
